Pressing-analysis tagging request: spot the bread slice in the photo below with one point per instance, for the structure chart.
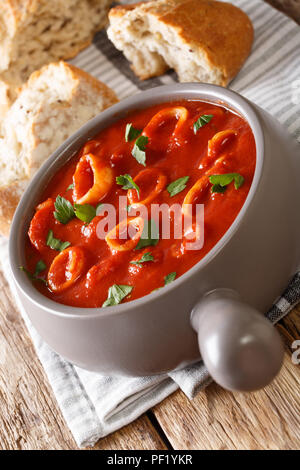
(5, 100)
(55, 102)
(203, 40)
(36, 32)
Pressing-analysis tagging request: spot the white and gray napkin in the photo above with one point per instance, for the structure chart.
(93, 405)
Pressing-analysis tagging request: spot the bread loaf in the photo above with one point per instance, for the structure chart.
(36, 32)
(55, 102)
(203, 40)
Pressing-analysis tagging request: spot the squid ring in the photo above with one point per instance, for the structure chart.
(199, 188)
(150, 174)
(179, 112)
(113, 240)
(39, 225)
(216, 112)
(66, 268)
(218, 140)
(90, 165)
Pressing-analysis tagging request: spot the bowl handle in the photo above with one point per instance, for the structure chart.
(240, 348)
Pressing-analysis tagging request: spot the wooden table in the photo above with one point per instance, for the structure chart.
(215, 419)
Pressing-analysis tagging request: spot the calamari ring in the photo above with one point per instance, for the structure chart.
(92, 179)
(90, 146)
(179, 112)
(102, 270)
(116, 244)
(219, 140)
(148, 175)
(66, 268)
(216, 112)
(39, 225)
(199, 188)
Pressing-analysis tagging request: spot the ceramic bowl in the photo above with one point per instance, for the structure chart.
(215, 310)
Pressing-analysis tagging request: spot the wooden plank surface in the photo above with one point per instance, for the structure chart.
(30, 417)
(290, 7)
(140, 435)
(217, 419)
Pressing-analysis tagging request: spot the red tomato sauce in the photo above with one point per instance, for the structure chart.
(84, 271)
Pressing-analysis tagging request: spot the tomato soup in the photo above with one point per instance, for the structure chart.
(194, 156)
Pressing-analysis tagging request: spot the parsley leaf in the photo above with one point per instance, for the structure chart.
(217, 188)
(71, 186)
(177, 186)
(127, 182)
(40, 266)
(202, 121)
(85, 212)
(131, 133)
(170, 278)
(116, 294)
(220, 182)
(150, 235)
(238, 180)
(64, 210)
(138, 151)
(146, 257)
(55, 243)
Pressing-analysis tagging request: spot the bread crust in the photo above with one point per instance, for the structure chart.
(222, 32)
(77, 75)
(10, 196)
(83, 82)
(21, 22)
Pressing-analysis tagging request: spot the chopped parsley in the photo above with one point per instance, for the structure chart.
(116, 294)
(55, 243)
(202, 121)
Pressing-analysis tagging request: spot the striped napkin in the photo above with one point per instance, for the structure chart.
(94, 405)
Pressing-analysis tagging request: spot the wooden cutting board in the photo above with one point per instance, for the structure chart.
(215, 419)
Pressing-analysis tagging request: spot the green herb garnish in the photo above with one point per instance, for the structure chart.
(202, 121)
(64, 210)
(217, 188)
(127, 182)
(85, 212)
(40, 266)
(177, 186)
(131, 133)
(139, 149)
(55, 243)
(116, 294)
(170, 278)
(150, 235)
(71, 186)
(220, 182)
(144, 259)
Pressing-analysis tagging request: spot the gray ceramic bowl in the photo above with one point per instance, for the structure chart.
(213, 306)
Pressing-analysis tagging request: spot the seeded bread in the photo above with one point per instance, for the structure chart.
(203, 40)
(55, 102)
(36, 32)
